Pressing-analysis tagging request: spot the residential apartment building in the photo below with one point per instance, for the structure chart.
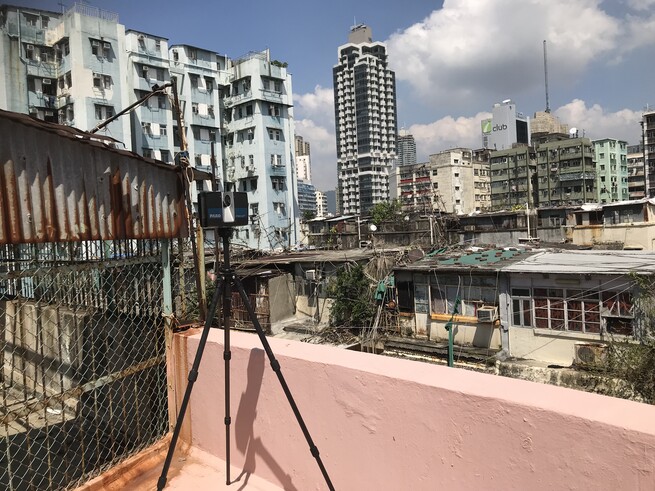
(406, 148)
(415, 188)
(64, 68)
(151, 123)
(455, 180)
(611, 170)
(513, 174)
(321, 204)
(648, 140)
(306, 198)
(82, 66)
(199, 75)
(365, 119)
(461, 178)
(566, 173)
(257, 137)
(636, 180)
(303, 159)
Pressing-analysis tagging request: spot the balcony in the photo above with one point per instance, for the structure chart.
(420, 427)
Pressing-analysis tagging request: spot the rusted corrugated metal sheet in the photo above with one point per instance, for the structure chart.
(56, 185)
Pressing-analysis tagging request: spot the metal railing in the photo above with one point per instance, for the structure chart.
(83, 359)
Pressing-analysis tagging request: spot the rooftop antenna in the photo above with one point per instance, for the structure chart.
(546, 77)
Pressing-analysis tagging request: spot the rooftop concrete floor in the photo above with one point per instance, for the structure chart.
(191, 469)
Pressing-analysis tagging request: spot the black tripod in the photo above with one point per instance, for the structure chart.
(224, 282)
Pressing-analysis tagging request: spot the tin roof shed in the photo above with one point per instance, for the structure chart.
(59, 184)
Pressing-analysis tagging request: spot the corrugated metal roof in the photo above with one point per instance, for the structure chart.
(490, 259)
(586, 262)
(58, 184)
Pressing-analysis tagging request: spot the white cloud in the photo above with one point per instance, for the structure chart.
(447, 132)
(314, 113)
(641, 5)
(596, 122)
(478, 51)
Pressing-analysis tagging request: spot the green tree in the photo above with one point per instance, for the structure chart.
(385, 211)
(633, 360)
(353, 298)
(308, 215)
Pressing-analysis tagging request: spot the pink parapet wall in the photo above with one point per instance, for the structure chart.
(382, 423)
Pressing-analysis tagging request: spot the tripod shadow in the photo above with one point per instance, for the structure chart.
(246, 441)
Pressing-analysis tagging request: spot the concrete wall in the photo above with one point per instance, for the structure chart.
(466, 331)
(281, 293)
(42, 346)
(387, 424)
(630, 234)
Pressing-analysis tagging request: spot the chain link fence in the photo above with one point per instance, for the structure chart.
(83, 359)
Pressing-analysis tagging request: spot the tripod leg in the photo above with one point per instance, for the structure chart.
(193, 375)
(275, 365)
(227, 356)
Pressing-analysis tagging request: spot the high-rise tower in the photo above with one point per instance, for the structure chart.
(365, 118)
(406, 148)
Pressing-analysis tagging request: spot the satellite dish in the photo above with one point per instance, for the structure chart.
(372, 227)
(573, 132)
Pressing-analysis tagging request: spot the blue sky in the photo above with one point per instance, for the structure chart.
(452, 59)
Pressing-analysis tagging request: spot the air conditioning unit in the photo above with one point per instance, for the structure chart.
(487, 313)
(46, 81)
(106, 45)
(590, 354)
(29, 47)
(310, 274)
(95, 43)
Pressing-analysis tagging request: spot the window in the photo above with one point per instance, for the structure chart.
(209, 83)
(276, 160)
(103, 112)
(29, 51)
(194, 81)
(106, 81)
(95, 47)
(251, 160)
(249, 110)
(161, 102)
(274, 134)
(521, 309)
(279, 208)
(473, 293)
(158, 44)
(30, 20)
(278, 183)
(277, 86)
(163, 131)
